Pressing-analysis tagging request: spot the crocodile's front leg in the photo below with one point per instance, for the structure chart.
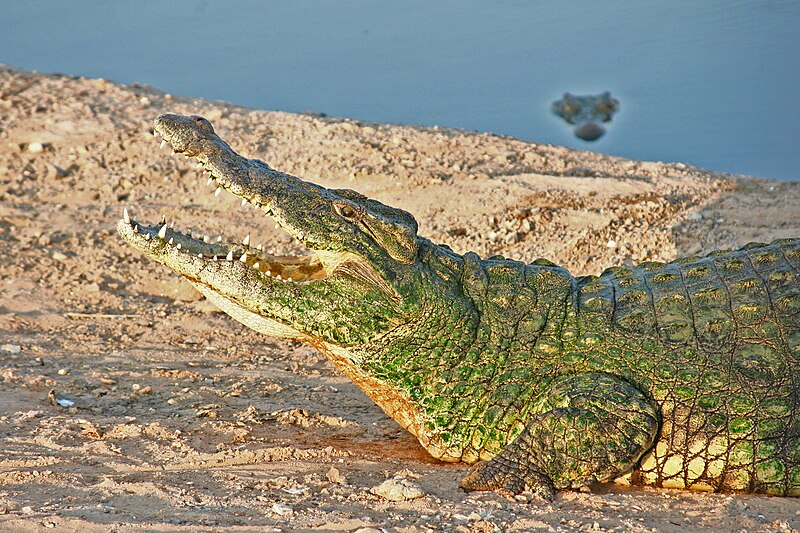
(587, 427)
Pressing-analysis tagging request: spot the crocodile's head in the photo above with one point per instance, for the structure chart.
(347, 291)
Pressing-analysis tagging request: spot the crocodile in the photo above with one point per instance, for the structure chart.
(586, 111)
(683, 374)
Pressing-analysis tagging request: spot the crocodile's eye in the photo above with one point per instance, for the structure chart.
(348, 211)
(203, 123)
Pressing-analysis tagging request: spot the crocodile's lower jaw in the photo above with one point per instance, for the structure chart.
(261, 324)
(299, 269)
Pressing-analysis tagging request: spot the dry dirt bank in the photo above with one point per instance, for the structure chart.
(184, 420)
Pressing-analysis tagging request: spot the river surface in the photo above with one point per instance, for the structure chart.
(711, 83)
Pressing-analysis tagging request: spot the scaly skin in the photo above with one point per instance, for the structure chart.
(685, 374)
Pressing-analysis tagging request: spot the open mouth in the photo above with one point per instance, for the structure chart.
(300, 269)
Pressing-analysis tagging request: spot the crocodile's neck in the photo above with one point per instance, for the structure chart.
(502, 333)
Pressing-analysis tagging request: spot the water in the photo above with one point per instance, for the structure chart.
(711, 83)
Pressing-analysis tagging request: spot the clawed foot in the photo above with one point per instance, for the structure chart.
(508, 481)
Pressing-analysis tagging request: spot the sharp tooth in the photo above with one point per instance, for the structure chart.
(289, 279)
(243, 259)
(162, 233)
(277, 226)
(178, 246)
(256, 266)
(244, 202)
(259, 247)
(189, 233)
(172, 224)
(163, 143)
(205, 238)
(200, 255)
(216, 258)
(278, 276)
(163, 220)
(219, 190)
(210, 180)
(172, 240)
(246, 240)
(155, 133)
(147, 236)
(125, 216)
(268, 273)
(136, 228)
(199, 165)
(219, 238)
(229, 257)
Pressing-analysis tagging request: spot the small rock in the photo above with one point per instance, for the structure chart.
(27, 510)
(611, 243)
(334, 476)
(58, 256)
(282, 509)
(55, 172)
(527, 226)
(11, 348)
(36, 147)
(398, 489)
(367, 530)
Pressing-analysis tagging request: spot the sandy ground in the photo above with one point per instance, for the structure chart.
(184, 420)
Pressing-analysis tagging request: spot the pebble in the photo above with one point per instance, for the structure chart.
(11, 348)
(55, 172)
(282, 509)
(36, 147)
(398, 489)
(58, 256)
(334, 476)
